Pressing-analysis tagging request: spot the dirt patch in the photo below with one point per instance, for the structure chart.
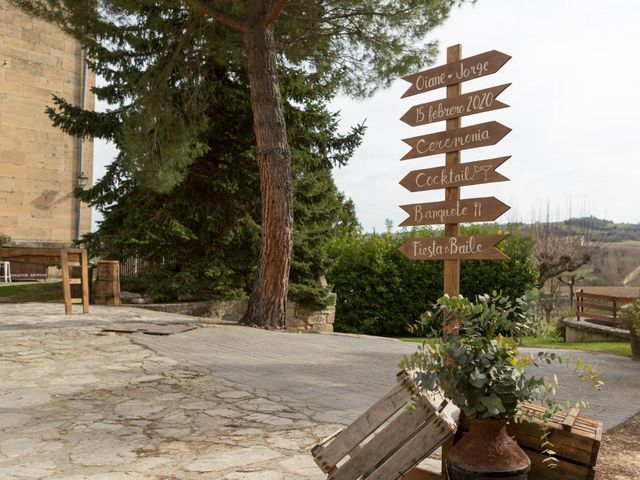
(619, 457)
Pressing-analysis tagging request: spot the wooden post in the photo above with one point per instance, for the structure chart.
(84, 261)
(66, 280)
(579, 303)
(452, 267)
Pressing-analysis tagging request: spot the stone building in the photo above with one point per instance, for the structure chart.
(39, 164)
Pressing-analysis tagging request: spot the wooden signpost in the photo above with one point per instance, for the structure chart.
(453, 210)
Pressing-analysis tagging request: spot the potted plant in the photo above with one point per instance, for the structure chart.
(630, 316)
(474, 360)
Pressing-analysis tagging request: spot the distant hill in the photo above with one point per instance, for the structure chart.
(594, 229)
(604, 230)
(616, 256)
(615, 264)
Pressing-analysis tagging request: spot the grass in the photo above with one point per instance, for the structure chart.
(615, 348)
(32, 292)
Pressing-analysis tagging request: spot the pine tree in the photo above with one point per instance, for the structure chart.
(355, 45)
(205, 230)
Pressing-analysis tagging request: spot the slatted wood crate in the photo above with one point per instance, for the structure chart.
(386, 442)
(575, 439)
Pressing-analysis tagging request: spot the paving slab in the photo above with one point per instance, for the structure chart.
(80, 403)
(224, 402)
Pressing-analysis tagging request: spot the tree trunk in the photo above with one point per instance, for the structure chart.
(267, 305)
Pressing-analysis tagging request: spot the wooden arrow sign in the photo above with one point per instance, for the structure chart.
(472, 173)
(477, 247)
(454, 211)
(467, 104)
(455, 72)
(480, 135)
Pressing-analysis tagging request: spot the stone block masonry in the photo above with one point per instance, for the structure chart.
(299, 317)
(587, 331)
(39, 163)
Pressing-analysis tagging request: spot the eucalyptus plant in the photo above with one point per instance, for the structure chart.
(474, 358)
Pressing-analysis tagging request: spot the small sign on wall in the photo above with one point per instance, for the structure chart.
(28, 272)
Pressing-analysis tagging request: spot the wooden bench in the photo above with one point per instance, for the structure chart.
(67, 258)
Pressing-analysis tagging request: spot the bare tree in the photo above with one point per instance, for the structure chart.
(570, 280)
(558, 251)
(550, 297)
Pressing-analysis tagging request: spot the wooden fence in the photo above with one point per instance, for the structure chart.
(600, 307)
(133, 267)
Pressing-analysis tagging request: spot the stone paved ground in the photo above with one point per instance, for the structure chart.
(76, 403)
(219, 402)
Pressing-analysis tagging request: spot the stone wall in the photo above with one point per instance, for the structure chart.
(585, 331)
(38, 162)
(299, 317)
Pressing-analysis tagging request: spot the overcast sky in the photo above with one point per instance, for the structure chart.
(574, 103)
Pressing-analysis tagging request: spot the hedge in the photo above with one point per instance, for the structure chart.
(380, 292)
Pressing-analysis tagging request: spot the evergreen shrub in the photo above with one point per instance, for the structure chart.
(381, 292)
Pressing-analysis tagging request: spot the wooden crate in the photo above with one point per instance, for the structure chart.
(574, 438)
(386, 442)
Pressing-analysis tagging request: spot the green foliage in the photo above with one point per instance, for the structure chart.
(630, 316)
(203, 234)
(184, 193)
(179, 103)
(381, 292)
(511, 277)
(476, 362)
(4, 239)
(360, 46)
(156, 57)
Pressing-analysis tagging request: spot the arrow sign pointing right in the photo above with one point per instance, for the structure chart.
(477, 247)
(467, 104)
(454, 211)
(466, 69)
(472, 173)
(480, 135)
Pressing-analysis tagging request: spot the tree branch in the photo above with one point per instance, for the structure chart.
(209, 10)
(274, 12)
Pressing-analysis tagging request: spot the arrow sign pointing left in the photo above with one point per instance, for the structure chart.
(454, 211)
(480, 135)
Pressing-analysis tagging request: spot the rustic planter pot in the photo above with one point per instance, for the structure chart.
(635, 344)
(487, 452)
